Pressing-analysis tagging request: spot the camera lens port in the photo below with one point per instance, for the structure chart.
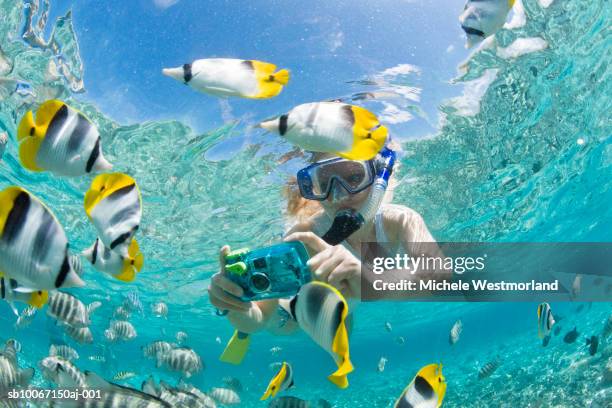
(260, 282)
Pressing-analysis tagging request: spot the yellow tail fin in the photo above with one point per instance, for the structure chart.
(128, 274)
(282, 76)
(38, 299)
(27, 127)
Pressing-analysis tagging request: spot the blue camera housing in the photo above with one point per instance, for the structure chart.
(273, 272)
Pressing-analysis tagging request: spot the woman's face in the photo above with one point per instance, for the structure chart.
(339, 198)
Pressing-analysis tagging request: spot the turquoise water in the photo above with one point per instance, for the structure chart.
(529, 158)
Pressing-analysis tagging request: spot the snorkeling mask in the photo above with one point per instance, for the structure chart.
(317, 181)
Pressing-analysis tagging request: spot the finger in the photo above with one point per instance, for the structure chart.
(327, 267)
(225, 249)
(227, 285)
(223, 296)
(223, 306)
(339, 276)
(316, 261)
(310, 239)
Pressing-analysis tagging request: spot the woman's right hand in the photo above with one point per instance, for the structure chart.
(224, 294)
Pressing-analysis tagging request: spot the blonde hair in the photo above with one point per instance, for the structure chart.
(300, 209)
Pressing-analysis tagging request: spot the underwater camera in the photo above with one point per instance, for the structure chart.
(276, 271)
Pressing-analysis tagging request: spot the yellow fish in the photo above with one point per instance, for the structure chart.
(114, 264)
(114, 206)
(33, 244)
(61, 140)
(426, 390)
(349, 131)
(282, 381)
(231, 77)
(321, 311)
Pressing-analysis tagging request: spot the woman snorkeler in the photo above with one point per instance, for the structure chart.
(352, 211)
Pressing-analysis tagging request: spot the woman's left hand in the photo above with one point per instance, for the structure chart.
(333, 264)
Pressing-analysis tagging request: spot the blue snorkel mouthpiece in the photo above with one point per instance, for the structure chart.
(348, 221)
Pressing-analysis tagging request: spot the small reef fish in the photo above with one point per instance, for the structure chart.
(482, 18)
(11, 292)
(275, 350)
(224, 396)
(183, 360)
(81, 335)
(400, 340)
(388, 327)
(571, 336)
(282, 381)
(426, 390)
(153, 349)
(110, 335)
(114, 206)
(545, 323)
(294, 402)
(11, 376)
(160, 309)
(132, 302)
(577, 287)
(62, 372)
(61, 140)
(207, 401)
(121, 313)
(14, 343)
(25, 317)
(488, 369)
(124, 375)
(349, 131)
(33, 244)
(123, 268)
(231, 77)
(593, 344)
(113, 396)
(67, 309)
(123, 330)
(381, 364)
(181, 337)
(455, 332)
(97, 359)
(63, 351)
(321, 312)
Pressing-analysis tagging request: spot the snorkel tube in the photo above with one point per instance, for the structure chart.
(348, 221)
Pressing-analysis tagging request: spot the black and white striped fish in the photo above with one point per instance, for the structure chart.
(67, 309)
(488, 369)
(114, 206)
(121, 313)
(81, 335)
(321, 312)
(124, 330)
(61, 140)
(124, 375)
(207, 400)
(114, 264)
(10, 375)
(11, 292)
(184, 360)
(160, 309)
(426, 390)
(25, 317)
(153, 349)
(112, 396)
(64, 351)
(33, 244)
(455, 332)
(224, 396)
(62, 372)
(545, 322)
